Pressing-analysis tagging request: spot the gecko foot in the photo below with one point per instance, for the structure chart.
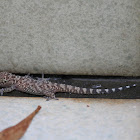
(1, 91)
(50, 98)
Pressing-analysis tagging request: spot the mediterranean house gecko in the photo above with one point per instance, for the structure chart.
(11, 82)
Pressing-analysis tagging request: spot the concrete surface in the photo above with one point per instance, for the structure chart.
(72, 119)
(95, 37)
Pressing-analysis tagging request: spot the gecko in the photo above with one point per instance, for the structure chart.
(27, 84)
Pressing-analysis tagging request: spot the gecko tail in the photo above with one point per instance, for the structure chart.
(111, 90)
(80, 90)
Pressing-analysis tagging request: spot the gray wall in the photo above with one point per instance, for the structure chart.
(98, 37)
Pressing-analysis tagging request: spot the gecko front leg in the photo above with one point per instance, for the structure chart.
(4, 90)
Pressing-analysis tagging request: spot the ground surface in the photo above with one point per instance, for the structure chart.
(74, 119)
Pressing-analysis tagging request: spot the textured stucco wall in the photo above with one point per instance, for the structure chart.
(98, 37)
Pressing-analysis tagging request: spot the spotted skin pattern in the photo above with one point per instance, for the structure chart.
(11, 82)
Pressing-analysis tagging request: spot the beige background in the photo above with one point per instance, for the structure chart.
(95, 37)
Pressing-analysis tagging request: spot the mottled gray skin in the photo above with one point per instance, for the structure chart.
(29, 85)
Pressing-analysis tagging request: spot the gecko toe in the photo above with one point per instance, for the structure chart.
(47, 98)
(50, 98)
(55, 98)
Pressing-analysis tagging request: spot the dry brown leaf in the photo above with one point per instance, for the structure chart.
(17, 131)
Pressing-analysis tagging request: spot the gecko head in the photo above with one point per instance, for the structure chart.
(4, 79)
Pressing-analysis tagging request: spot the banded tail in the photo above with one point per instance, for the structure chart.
(79, 90)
